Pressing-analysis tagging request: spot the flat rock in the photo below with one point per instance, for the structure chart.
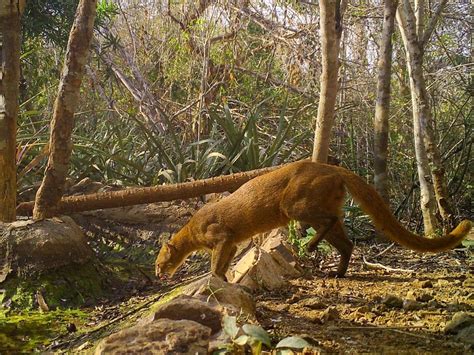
(190, 308)
(226, 295)
(163, 336)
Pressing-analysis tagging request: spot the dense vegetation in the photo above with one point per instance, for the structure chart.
(177, 91)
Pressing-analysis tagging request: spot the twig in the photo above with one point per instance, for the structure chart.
(384, 251)
(380, 266)
(328, 266)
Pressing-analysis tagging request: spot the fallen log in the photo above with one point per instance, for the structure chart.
(142, 195)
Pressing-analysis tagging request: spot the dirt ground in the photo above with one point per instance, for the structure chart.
(392, 300)
(374, 310)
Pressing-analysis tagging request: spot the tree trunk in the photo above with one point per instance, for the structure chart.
(51, 189)
(10, 12)
(427, 199)
(331, 30)
(414, 40)
(361, 40)
(382, 107)
(427, 134)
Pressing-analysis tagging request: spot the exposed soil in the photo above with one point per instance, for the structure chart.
(372, 310)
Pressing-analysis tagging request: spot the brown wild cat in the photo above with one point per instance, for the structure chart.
(309, 192)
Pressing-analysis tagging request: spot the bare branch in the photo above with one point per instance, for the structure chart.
(432, 25)
(266, 78)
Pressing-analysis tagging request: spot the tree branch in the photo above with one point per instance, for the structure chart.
(276, 82)
(432, 25)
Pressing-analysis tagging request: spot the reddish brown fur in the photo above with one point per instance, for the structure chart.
(309, 192)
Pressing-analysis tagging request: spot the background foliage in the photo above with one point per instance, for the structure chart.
(236, 85)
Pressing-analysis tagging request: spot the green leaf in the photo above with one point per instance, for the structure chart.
(311, 231)
(293, 343)
(224, 350)
(230, 326)
(257, 333)
(242, 340)
(468, 243)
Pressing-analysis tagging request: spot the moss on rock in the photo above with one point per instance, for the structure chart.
(68, 286)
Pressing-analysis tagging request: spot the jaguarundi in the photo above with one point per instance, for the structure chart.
(312, 193)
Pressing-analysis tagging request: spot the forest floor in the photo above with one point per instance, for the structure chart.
(392, 300)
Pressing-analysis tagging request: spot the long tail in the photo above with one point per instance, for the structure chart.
(371, 202)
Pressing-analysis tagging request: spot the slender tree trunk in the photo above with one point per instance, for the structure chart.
(331, 30)
(362, 40)
(432, 184)
(426, 127)
(427, 198)
(382, 107)
(51, 189)
(10, 12)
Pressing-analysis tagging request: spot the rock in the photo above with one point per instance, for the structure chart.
(224, 294)
(411, 305)
(459, 321)
(268, 267)
(393, 301)
(420, 296)
(219, 341)
(466, 335)
(186, 307)
(163, 336)
(411, 295)
(424, 297)
(28, 247)
(329, 314)
(265, 273)
(423, 283)
(282, 252)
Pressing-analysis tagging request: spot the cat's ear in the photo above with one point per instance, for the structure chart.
(165, 250)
